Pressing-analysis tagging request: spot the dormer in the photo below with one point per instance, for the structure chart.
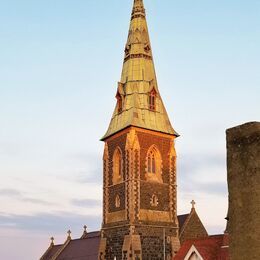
(152, 99)
(119, 102)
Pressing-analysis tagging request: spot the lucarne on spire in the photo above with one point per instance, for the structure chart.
(138, 81)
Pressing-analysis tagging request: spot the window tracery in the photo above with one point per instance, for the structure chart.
(153, 165)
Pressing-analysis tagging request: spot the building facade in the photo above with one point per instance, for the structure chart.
(139, 203)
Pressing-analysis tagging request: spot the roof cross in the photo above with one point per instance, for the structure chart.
(69, 234)
(193, 204)
(85, 229)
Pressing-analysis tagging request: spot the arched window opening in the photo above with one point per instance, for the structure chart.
(117, 166)
(152, 100)
(117, 201)
(154, 201)
(151, 162)
(154, 165)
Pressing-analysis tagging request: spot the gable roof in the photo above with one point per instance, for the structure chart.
(212, 247)
(51, 252)
(190, 226)
(86, 247)
(80, 249)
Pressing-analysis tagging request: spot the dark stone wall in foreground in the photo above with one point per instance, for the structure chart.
(243, 166)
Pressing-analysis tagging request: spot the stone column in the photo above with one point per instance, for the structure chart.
(243, 167)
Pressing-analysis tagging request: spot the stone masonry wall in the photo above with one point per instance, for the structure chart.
(243, 164)
(193, 228)
(163, 144)
(152, 240)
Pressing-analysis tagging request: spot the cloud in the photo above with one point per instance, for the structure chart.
(90, 167)
(18, 195)
(55, 223)
(190, 163)
(202, 173)
(86, 203)
(216, 188)
(10, 193)
(9, 149)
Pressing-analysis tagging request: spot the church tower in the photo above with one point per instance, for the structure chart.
(139, 163)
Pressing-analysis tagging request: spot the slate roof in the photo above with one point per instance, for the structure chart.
(51, 252)
(82, 249)
(182, 219)
(77, 249)
(213, 247)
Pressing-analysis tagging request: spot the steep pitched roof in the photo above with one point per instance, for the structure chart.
(190, 226)
(212, 247)
(182, 219)
(138, 79)
(51, 251)
(80, 249)
(77, 249)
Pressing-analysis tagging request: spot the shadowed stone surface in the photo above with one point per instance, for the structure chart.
(243, 165)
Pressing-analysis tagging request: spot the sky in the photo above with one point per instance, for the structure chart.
(60, 61)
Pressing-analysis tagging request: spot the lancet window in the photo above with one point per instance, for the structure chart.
(153, 165)
(152, 100)
(117, 166)
(151, 162)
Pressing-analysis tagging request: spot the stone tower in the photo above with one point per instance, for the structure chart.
(139, 203)
(243, 166)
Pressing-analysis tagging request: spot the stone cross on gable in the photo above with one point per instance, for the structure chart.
(193, 204)
(85, 229)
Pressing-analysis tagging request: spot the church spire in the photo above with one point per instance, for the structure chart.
(138, 99)
(138, 7)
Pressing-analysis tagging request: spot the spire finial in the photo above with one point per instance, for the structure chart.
(85, 229)
(85, 233)
(138, 7)
(69, 234)
(193, 204)
(52, 241)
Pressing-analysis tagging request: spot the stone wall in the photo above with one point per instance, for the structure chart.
(147, 207)
(192, 228)
(243, 165)
(152, 239)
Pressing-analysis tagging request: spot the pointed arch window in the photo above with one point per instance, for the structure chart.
(117, 166)
(153, 165)
(151, 162)
(117, 201)
(152, 100)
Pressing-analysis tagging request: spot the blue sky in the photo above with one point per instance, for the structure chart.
(59, 66)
